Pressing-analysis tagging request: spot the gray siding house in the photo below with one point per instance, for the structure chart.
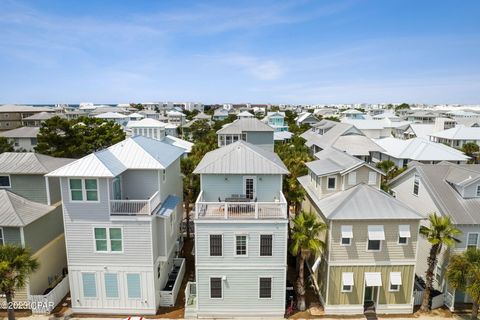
(31, 216)
(241, 235)
(446, 189)
(250, 130)
(122, 209)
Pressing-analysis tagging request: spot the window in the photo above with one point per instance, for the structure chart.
(472, 240)
(402, 240)
(265, 288)
(2, 241)
(375, 236)
(244, 136)
(164, 175)
(89, 285)
(395, 281)
(347, 281)
(216, 288)
(235, 138)
(81, 189)
(478, 190)
(111, 285)
(403, 234)
(222, 140)
(372, 177)
(352, 178)
(241, 245)
(416, 184)
(108, 239)
(347, 235)
(331, 182)
(133, 286)
(374, 245)
(33, 141)
(215, 245)
(5, 182)
(266, 245)
(228, 139)
(438, 274)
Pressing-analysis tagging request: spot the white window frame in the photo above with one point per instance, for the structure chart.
(260, 244)
(372, 174)
(246, 245)
(84, 191)
(335, 179)
(402, 244)
(210, 287)
(416, 182)
(478, 190)
(345, 244)
(371, 250)
(2, 237)
(393, 290)
(352, 178)
(105, 286)
(109, 244)
(126, 285)
(83, 287)
(210, 245)
(346, 290)
(271, 287)
(9, 181)
(254, 178)
(468, 236)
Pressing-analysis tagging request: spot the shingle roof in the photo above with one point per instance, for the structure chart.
(16, 211)
(420, 149)
(241, 158)
(447, 199)
(244, 125)
(133, 153)
(361, 202)
(22, 132)
(29, 163)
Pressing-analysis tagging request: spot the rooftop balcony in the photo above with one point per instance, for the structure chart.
(129, 207)
(240, 208)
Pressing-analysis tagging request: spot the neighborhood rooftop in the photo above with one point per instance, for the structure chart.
(29, 163)
(16, 211)
(243, 125)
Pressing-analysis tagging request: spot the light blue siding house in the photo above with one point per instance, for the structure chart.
(241, 234)
(122, 209)
(250, 130)
(276, 120)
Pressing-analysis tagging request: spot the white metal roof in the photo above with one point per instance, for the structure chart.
(241, 158)
(184, 144)
(420, 149)
(245, 114)
(459, 133)
(244, 125)
(29, 163)
(111, 115)
(16, 211)
(133, 153)
(22, 132)
(146, 123)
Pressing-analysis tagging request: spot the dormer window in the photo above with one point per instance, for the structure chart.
(416, 184)
(331, 183)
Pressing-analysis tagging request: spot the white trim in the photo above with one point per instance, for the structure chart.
(210, 287)
(109, 245)
(335, 187)
(2, 242)
(271, 287)
(371, 250)
(9, 181)
(140, 284)
(260, 243)
(377, 263)
(83, 287)
(210, 246)
(254, 178)
(22, 237)
(84, 190)
(246, 235)
(468, 236)
(105, 287)
(49, 202)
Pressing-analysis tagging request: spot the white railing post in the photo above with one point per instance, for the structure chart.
(256, 210)
(226, 210)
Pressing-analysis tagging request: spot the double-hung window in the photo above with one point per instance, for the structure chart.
(266, 245)
(83, 189)
(241, 245)
(216, 245)
(472, 240)
(265, 288)
(108, 239)
(5, 182)
(216, 288)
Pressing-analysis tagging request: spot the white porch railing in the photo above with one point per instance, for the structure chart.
(240, 210)
(44, 304)
(168, 298)
(134, 207)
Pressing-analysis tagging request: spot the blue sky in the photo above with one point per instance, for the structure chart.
(240, 51)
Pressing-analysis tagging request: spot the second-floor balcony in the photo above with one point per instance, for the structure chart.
(128, 207)
(238, 207)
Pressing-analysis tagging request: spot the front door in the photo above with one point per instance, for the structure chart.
(370, 298)
(249, 186)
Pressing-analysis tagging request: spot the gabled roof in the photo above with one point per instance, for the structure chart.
(245, 114)
(16, 211)
(111, 115)
(29, 163)
(364, 202)
(22, 132)
(459, 133)
(21, 108)
(42, 116)
(244, 125)
(448, 201)
(136, 115)
(177, 142)
(146, 123)
(133, 153)
(202, 116)
(420, 149)
(241, 158)
(421, 130)
(275, 114)
(304, 116)
(175, 113)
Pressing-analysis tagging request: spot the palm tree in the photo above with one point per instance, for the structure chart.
(305, 242)
(470, 149)
(463, 272)
(191, 186)
(441, 233)
(16, 264)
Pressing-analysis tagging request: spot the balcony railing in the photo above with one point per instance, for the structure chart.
(240, 210)
(134, 207)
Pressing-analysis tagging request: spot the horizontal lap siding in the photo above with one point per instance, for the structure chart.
(139, 184)
(404, 296)
(261, 139)
(12, 236)
(391, 250)
(203, 231)
(31, 187)
(35, 233)
(240, 291)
